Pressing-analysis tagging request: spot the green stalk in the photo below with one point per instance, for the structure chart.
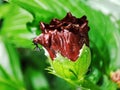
(88, 85)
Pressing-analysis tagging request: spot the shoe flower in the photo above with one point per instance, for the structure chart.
(67, 43)
(115, 77)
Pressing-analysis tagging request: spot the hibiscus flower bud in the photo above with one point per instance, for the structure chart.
(115, 76)
(67, 43)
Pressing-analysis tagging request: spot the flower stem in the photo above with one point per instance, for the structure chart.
(88, 85)
(84, 85)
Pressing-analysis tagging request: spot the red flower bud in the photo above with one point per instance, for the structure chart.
(65, 36)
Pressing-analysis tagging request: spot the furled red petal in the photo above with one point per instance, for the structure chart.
(65, 36)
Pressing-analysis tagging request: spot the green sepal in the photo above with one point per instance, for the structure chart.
(72, 71)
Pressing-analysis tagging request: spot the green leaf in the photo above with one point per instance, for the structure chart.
(14, 26)
(10, 72)
(108, 85)
(3, 10)
(35, 80)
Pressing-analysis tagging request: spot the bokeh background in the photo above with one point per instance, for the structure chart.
(23, 68)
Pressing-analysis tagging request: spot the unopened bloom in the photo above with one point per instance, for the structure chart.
(67, 43)
(65, 36)
(115, 76)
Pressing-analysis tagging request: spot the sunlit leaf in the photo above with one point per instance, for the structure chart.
(14, 27)
(35, 80)
(10, 72)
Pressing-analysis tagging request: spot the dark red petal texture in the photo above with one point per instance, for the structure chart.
(65, 36)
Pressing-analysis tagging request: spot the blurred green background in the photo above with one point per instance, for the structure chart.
(23, 68)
